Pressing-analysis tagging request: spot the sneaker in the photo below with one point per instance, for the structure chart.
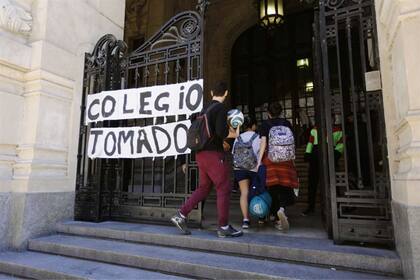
(261, 221)
(229, 232)
(180, 222)
(283, 219)
(245, 224)
(278, 226)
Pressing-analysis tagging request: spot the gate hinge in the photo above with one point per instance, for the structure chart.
(83, 129)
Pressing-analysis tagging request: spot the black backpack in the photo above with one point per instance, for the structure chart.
(199, 133)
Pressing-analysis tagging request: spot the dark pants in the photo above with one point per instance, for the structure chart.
(281, 197)
(313, 182)
(213, 169)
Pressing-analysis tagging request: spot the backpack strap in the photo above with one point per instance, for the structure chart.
(208, 109)
(251, 140)
(253, 137)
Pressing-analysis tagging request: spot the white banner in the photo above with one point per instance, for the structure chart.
(139, 142)
(149, 102)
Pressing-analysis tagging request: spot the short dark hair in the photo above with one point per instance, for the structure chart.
(275, 109)
(249, 122)
(219, 88)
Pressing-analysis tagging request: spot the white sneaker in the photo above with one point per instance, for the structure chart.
(278, 226)
(283, 219)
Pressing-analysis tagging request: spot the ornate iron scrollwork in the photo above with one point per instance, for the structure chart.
(142, 188)
(336, 4)
(202, 6)
(183, 28)
(359, 182)
(108, 46)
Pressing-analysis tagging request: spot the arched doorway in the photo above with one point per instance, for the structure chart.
(277, 65)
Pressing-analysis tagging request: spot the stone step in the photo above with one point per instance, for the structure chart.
(322, 252)
(36, 265)
(191, 263)
(8, 277)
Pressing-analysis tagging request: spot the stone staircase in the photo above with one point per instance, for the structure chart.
(115, 250)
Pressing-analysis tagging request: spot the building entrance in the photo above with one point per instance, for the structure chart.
(321, 64)
(277, 66)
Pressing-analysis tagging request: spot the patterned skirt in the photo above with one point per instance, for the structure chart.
(281, 174)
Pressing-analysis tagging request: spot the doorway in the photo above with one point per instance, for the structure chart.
(318, 65)
(277, 66)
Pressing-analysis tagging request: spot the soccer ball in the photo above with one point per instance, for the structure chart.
(235, 118)
(259, 206)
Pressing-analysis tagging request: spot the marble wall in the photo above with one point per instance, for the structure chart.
(399, 42)
(42, 48)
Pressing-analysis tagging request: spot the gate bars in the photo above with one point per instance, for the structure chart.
(139, 189)
(359, 181)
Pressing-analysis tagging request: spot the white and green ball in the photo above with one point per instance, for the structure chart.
(235, 118)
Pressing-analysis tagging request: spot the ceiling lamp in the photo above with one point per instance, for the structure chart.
(271, 13)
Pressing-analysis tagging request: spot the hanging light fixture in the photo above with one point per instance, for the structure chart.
(271, 13)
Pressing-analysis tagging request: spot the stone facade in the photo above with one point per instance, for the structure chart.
(398, 25)
(42, 46)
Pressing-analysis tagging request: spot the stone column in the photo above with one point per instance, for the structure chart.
(40, 108)
(399, 42)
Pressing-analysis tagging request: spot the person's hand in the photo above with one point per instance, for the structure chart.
(184, 168)
(255, 169)
(234, 132)
(226, 146)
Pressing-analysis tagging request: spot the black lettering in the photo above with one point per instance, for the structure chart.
(123, 137)
(143, 142)
(111, 111)
(125, 110)
(155, 129)
(164, 107)
(90, 115)
(180, 150)
(95, 133)
(143, 103)
(181, 99)
(195, 87)
(114, 145)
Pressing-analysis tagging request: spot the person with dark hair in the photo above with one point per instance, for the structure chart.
(279, 161)
(245, 160)
(214, 169)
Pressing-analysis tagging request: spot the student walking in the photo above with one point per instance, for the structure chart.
(245, 160)
(213, 167)
(277, 153)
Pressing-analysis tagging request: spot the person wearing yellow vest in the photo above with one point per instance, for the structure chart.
(312, 157)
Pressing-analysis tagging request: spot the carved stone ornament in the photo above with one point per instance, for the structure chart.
(14, 18)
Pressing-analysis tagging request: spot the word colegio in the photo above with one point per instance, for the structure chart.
(157, 101)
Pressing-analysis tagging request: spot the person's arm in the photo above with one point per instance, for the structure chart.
(256, 148)
(263, 142)
(263, 146)
(234, 133)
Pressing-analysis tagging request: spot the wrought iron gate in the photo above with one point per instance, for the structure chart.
(139, 189)
(358, 181)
